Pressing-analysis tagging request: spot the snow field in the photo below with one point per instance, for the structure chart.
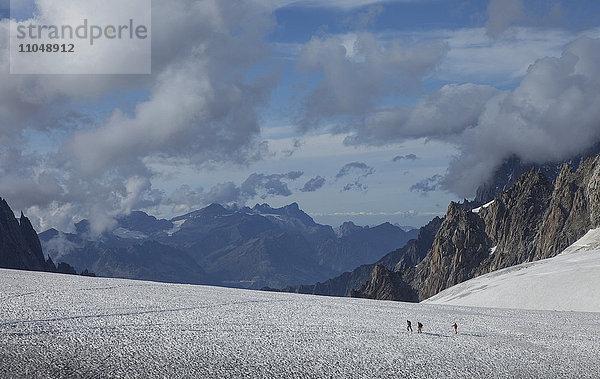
(567, 282)
(68, 326)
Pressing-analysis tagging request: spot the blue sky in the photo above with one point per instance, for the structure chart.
(359, 110)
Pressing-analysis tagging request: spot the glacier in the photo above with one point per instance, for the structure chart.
(55, 325)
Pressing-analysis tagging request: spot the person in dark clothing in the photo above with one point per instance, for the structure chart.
(419, 326)
(408, 326)
(455, 328)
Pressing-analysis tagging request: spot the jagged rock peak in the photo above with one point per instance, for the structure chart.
(293, 206)
(20, 247)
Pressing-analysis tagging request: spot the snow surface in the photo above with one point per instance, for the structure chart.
(477, 210)
(127, 233)
(69, 326)
(566, 282)
(590, 241)
(176, 227)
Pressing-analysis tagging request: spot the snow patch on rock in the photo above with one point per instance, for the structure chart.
(477, 210)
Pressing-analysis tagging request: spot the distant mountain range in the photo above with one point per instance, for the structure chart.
(238, 247)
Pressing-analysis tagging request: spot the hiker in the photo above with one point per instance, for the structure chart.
(408, 326)
(419, 326)
(455, 327)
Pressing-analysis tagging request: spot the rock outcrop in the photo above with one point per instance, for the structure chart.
(459, 247)
(386, 284)
(574, 209)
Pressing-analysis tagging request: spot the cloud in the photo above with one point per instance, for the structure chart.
(356, 186)
(445, 113)
(296, 144)
(268, 185)
(552, 114)
(502, 14)
(474, 57)
(427, 185)
(360, 167)
(198, 106)
(313, 184)
(359, 171)
(356, 71)
(342, 4)
(408, 157)
(368, 18)
(59, 246)
(201, 106)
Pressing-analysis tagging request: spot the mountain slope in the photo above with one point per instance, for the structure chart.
(124, 258)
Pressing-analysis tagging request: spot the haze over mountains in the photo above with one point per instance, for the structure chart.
(239, 247)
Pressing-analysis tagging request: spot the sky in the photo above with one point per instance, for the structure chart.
(360, 110)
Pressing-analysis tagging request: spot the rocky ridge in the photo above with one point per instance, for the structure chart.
(534, 219)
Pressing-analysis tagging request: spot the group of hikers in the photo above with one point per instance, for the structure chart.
(420, 327)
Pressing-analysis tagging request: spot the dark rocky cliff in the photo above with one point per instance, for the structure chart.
(574, 209)
(386, 284)
(512, 168)
(20, 247)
